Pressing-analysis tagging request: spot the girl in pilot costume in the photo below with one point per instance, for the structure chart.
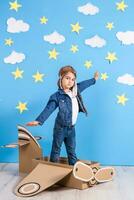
(69, 101)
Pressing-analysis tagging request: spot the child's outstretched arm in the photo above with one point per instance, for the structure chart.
(50, 107)
(87, 83)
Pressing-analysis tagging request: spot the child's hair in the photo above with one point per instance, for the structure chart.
(63, 71)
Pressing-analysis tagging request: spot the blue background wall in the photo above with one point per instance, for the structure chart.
(107, 134)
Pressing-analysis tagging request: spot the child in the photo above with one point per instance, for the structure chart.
(69, 101)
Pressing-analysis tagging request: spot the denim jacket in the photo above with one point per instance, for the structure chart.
(61, 100)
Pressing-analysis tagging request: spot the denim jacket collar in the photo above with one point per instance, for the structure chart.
(61, 91)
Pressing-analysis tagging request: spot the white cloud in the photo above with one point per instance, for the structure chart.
(127, 79)
(16, 26)
(95, 41)
(14, 58)
(88, 9)
(54, 38)
(126, 38)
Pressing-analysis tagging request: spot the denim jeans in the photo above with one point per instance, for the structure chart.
(66, 135)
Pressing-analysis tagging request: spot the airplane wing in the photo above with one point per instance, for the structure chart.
(42, 177)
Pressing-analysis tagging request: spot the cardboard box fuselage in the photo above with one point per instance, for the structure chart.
(30, 155)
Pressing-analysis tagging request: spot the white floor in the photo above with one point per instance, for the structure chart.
(121, 188)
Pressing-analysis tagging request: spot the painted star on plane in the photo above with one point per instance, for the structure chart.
(111, 57)
(53, 54)
(76, 27)
(38, 77)
(21, 107)
(15, 5)
(110, 26)
(8, 42)
(43, 20)
(122, 99)
(104, 76)
(74, 48)
(88, 64)
(18, 73)
(121, 6)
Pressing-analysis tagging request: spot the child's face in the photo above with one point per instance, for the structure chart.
(68, 80)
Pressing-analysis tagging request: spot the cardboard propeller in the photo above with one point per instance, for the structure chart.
(105, 174)
(85, 173)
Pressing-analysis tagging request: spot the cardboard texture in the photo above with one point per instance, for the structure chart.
(69, 180)
(27, 152)
(46, 174)
(105, 174)
(40, 173)
(85, 173)
(42, 177)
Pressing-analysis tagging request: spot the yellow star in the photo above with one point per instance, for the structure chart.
(18, 73)
(14, 5)
(38, 77)
(76, 27)
(122, 99)
(74, 48)
(88, 64)
(53, 54)
(8, 42)
(43, 20)
(111, 57)
(110, 26)
(104, 76)
(21, 107)
(121, 6)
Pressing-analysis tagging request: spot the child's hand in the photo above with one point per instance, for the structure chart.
(96, 75)
(34, 123)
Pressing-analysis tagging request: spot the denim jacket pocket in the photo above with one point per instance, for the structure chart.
(62, 105)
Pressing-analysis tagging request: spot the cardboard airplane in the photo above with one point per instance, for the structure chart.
(40, 173)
